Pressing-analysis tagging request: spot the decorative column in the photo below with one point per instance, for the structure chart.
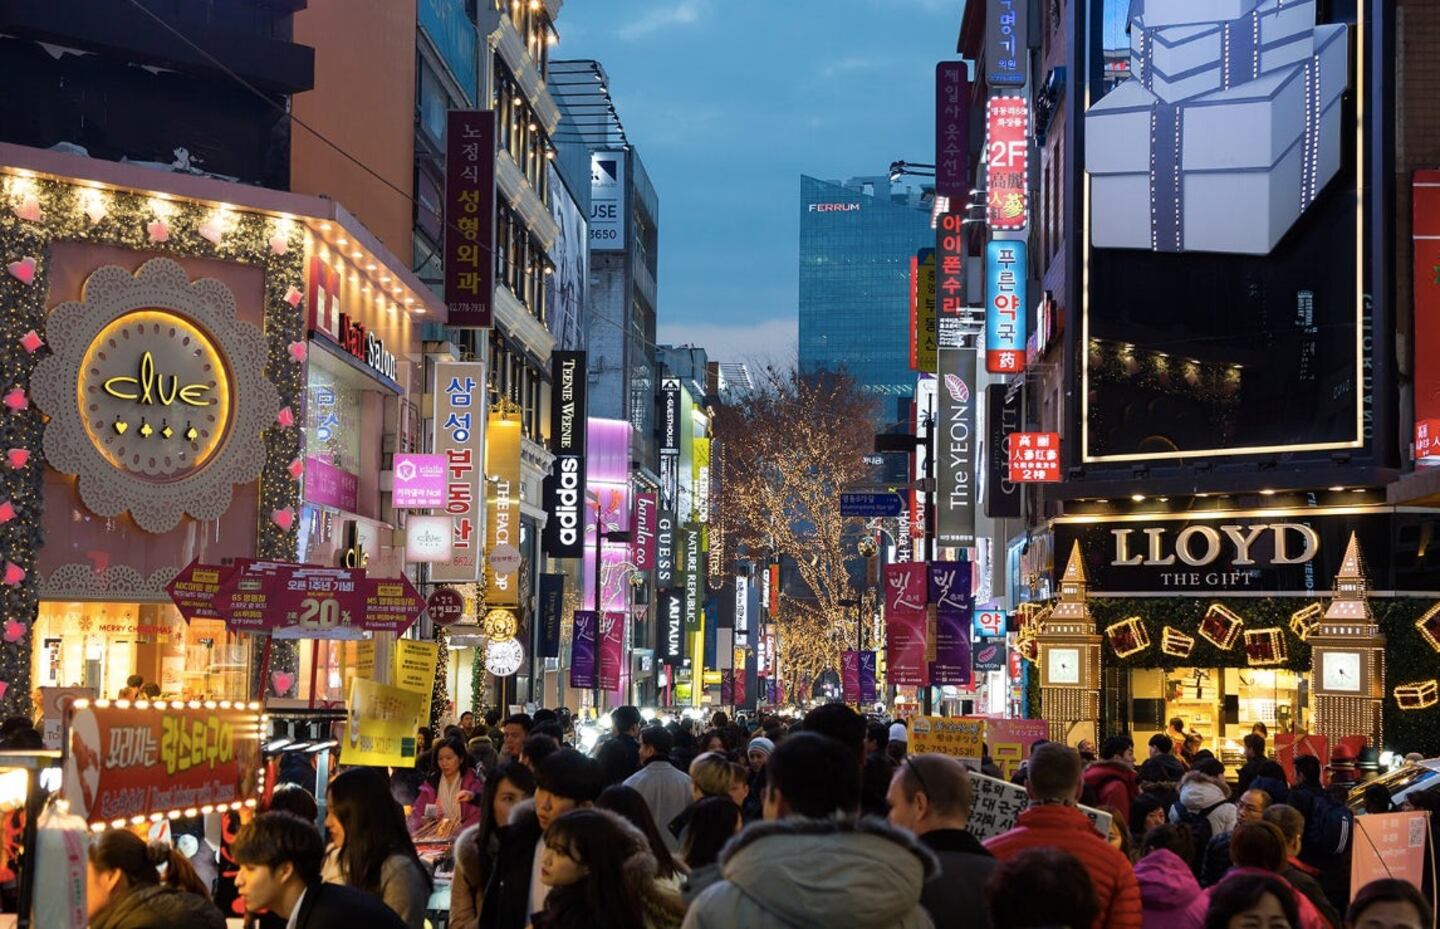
(1069, 659)
(1348, 651)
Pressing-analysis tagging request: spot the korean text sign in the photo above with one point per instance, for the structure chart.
(1006, 268)
(1007, 151)
(1034, 457)
(1007, 37)
(419, 481)
(952, 130)
(382, 725)
(459, 433)
(470, 217)
(959, 736)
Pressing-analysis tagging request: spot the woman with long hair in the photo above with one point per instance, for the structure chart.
(124, 889)
(370, 848)
(714, 822)
(451, 791)
(477, 847)
(627, 802)
(601, 875)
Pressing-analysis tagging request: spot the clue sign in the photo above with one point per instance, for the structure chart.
(1034, 457)
(1007, 168)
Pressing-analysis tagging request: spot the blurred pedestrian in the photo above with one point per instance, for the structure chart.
(1112, 780)
(1300, 875)
(1390, 903)
(627, 803)
(477, 847)
(452, 791)
(601, 875)
(1167, 884)
(370, 846)
(1254, 746)
(665, 789)
(1041, 888)
(1254, 901)
(124, 890)
(715, 822)
(619, 755)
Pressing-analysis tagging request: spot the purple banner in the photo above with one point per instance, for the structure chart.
(867, 677)
(582, 651)
(612, 649)
(419, 482)
(952, 130)
(850, 676)
(727, 688)
(952, 648)
(469, 254)
(328, 485)
(950, 585)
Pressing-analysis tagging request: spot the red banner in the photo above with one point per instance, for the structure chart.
(1034, 457)
(193, 590)
(612, 649)
(1007, 166)
(905, 623)
(1426, 277)
(132, 762)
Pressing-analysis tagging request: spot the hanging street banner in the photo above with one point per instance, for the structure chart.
(564, 489)
(1002, 418)
(1007, 39)
(502, 512)
(867, 677)
(670, 626)
(459, 431)
(1035, 458)
(1007, 170)
(582, 651)
(552, 606)
(956, 446)
(1006, 267)
(381, 731)
(1425, 238)
(850, 676)
(470, 218)
(612, 650)
(952, 664)
(906, 619)
(948, 586)
(952, 130)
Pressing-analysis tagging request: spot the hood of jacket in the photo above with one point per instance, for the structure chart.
(1162, 768)
(159, 907)
(1197, 793)
(1166, 881)
(1102, 771)
(837, 873)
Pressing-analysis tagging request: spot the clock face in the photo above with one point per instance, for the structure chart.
(1062, 665)
(1340, 671)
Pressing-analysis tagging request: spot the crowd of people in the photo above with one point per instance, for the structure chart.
(825, 821)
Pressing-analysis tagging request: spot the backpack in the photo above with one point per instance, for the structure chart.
(1328, 826)
(1198, 822)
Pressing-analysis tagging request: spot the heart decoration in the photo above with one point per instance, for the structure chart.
(16, 400)
(14, 630)
(297, 468)
(279, 245)
(286, 417)
(298, 350)
(282, 681)
(283, 518)
(31, 341)
(95, 211)
(7, 511)
(158, 231)
(22, 270)
(29, 208)
(211, 230)
(18, 457)
(4, 686)
(293, 295)
(14, 574)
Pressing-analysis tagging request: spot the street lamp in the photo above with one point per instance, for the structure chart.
(899, 169)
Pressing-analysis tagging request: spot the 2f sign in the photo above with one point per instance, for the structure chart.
(1008, 153)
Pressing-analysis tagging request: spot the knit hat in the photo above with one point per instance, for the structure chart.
(761, 744)
(898, 733)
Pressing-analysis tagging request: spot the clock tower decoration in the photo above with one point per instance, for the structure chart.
(1069, 659)
(1349, 657)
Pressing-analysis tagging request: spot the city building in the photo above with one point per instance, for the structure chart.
(856, 243)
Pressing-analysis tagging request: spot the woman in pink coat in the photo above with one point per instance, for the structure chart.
(1167, 885)
(452, 792)
(1257, 848)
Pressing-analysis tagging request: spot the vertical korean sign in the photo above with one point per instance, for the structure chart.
(470, 218)
(955, 469)
(923, 339)
(459, 431)
(1426, 233)
(1006, 267)
(952, 316)
(952, 130)
(1007, 168)
(949, 593)
(582, 650)
(502, 509)
(905, 622)
(1007, 33)
(612, 648)
(850, 676)
(564, 491)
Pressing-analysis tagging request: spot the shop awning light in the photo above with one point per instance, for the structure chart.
(323, 746)
(275, 745)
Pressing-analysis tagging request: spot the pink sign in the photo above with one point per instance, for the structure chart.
(1389, 845)
(906, 594)
(328, 485)
(1009, 741)
(612, 648)
(298, 601)
(646, 513)
(419, 482)
(906, 586)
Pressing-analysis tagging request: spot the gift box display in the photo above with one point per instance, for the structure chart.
(1225, 134)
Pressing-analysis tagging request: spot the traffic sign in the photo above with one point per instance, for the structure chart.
(870, 504)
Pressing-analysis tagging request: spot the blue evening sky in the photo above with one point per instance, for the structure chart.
(728, 102)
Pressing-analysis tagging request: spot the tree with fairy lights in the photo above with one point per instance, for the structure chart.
(792, 445)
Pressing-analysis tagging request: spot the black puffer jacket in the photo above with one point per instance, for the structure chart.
(508, 892)
(158, 907)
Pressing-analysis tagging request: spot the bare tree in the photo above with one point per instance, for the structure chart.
(790, 447)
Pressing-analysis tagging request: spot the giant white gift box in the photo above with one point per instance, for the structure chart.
(1247, 161)
(1180, 62)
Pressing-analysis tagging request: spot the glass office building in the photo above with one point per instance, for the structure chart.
(856, 242)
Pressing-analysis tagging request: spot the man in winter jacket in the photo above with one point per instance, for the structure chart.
(1251, 809)
(1254, 758)
(812, 862)
(1052, 820)
(1112, 779)
(619, 755)
(1325, 845)
(931, 795)
(1300, 875)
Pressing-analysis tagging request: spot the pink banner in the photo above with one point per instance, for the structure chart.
(298, 601)
(905, 622)
(328, 485)
(1009, 741)
(612, 648)
(850, 676)
(906, 587)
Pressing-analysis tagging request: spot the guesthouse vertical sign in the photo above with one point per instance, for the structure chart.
(470, 218)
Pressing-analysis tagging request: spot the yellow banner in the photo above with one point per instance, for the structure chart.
(415, 665)
(959, 736)
(700, 462)
(365, 659)
(926, 336)
(383, 723)
(502, 509)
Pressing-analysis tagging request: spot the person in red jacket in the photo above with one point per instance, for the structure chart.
(1112, 779)
(1052, 820)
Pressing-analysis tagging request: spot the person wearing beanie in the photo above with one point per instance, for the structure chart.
(898, 733)
(757, 755)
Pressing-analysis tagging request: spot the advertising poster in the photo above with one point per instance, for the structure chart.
(1034, 457)
(962, 737)
(850, 676)
(470, 217)
(54, 701)
(990, 655)
(1007, 168)
(612, 650)
(419, 482)
(381, 730)
(607, 202)
(1425, 235)
(952, 648)
(121, 763)
(502, 509)
(415, 664)
(565, 289)
(1389, 845)
(905, 623)
(459, 431)
(1010, 741)
(564, 488)
(867, 677)
(582, 651)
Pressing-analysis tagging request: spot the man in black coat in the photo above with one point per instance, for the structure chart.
(931, 796)
(619, 755)
(279, 855)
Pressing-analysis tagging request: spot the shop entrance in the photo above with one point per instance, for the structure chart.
(1221, 704)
